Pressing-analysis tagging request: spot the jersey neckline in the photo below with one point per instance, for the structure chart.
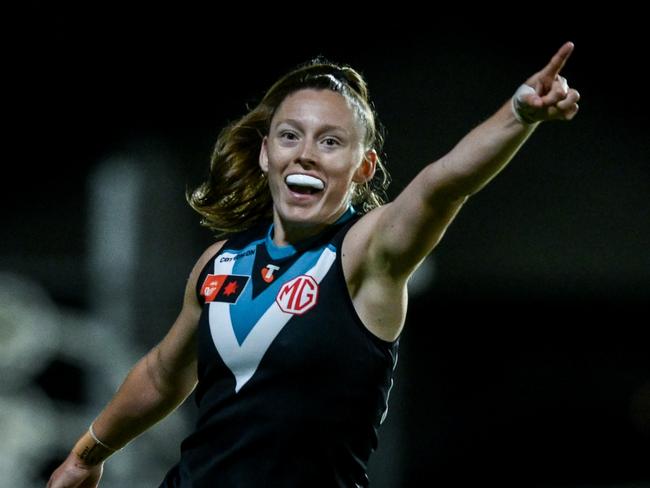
(282, 252)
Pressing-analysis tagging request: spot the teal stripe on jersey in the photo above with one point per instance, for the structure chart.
(248, 310)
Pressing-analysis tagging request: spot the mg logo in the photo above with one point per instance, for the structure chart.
(298, 295)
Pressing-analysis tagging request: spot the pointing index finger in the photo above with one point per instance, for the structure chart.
(558, 60)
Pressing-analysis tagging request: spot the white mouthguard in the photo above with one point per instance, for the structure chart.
(305, 180)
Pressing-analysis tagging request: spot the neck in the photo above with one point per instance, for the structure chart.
(286, 233)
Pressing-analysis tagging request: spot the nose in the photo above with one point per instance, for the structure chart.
(308, 155)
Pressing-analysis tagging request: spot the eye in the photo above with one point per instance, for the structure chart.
(331, 141)
(288, 135)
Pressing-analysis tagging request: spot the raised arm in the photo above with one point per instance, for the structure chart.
(383, 249)
(156, 386)
(400, 234)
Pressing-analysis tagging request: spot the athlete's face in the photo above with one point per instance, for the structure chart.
(312, 156)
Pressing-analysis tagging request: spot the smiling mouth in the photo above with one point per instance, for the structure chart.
(304, 184)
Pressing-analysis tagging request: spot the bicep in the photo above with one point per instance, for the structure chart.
(172, 363)
(174, 358)
(399, 235)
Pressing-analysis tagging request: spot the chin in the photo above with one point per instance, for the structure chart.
(304, 216)
(301, 217)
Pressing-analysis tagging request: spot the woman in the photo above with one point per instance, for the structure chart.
(290, 323)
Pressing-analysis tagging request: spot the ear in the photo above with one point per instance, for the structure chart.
(264, 156)
(367, 167)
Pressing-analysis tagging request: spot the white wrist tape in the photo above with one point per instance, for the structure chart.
(91, 431)
(517, 100)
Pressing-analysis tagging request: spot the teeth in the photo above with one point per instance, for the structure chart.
(305, 180)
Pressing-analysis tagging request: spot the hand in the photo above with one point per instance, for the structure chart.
(553, 99)
(74, 474)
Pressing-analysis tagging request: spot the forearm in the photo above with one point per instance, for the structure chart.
(144, 398)
(156, 385)
(478, 157)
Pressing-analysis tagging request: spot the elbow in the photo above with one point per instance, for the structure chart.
(448, 195)
(445, 183)
(170, 383)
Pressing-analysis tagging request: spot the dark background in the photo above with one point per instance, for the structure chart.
(527, 356)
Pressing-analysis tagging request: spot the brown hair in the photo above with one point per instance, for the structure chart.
(235, 196)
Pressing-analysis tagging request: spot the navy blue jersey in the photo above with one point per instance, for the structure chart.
(292, 386)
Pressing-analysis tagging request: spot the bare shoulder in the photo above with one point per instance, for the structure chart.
(207, 255)
(359, 252)
(378, 298)
(200, 264)
(365, 225)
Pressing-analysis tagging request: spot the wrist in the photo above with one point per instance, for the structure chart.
(90, 450)
(518, 108)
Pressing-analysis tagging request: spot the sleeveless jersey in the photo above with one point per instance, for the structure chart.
(292, 386)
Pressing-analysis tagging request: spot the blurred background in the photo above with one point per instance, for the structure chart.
(524, 361)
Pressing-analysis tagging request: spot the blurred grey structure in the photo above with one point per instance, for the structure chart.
(60, 366)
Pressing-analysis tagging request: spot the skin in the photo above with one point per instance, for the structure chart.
(317, 133)
(381, 252)
(313, 132)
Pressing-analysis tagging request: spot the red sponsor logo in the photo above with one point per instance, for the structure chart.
(211, 286)
(298, 295)
(223, 288)
(267, 272)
